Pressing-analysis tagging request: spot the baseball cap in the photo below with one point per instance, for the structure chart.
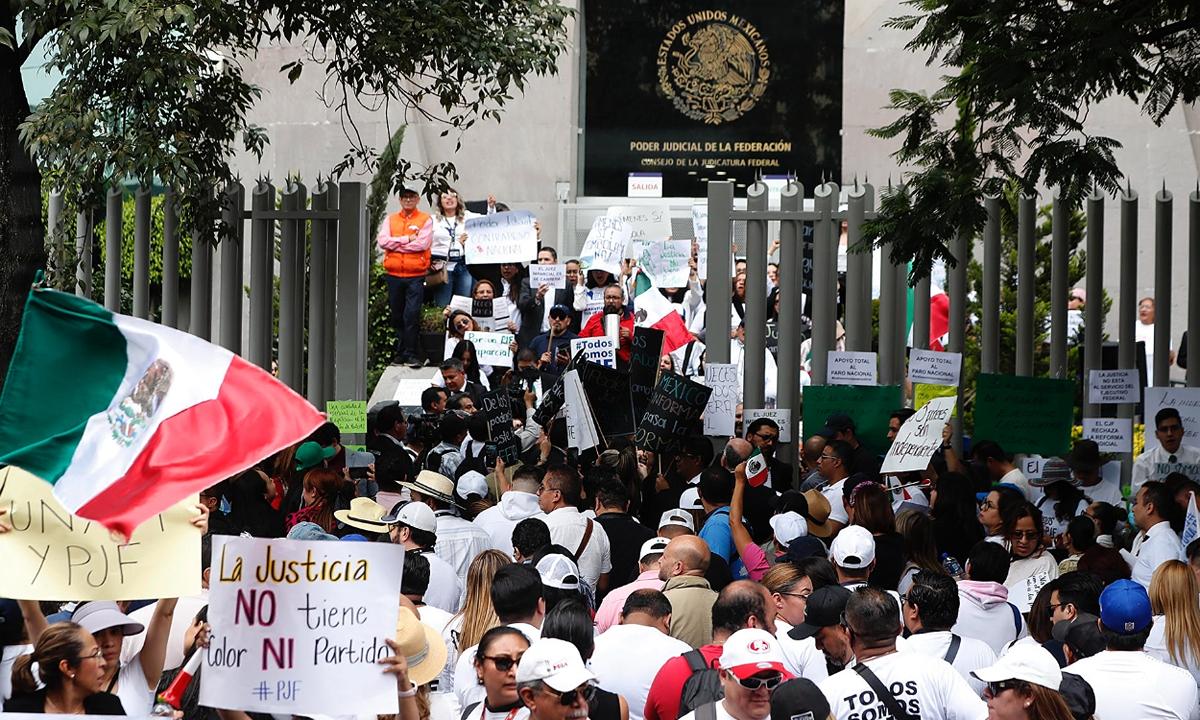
(103, 614)
(355, 537)
(1081, 634)
(309, 531)
(558, 571)
(1079, 696)
(560, 310)
(750, 651)
(690, 499)
(677, 517)
(1024, 661)
(1053, 470)
(416, 515)
(311, 454)
(799, 699)
(1125, 607)
(653, 546)
(854, 547)
(471, 483)
(836, 423)
(556, 663)
(824, 609)
(788, 526)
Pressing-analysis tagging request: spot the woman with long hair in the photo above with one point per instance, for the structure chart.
(458, 324)
(998, 512)
(448, 249)
(1030, 559)
(870, 506)
(464, 350)
(499, 651)
(1175, 635)
(477, 615)
(920, 549)
(956, 528)
(319, 499)
(1024, 684)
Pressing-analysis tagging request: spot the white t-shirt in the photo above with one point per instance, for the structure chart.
(445, 681)
(801, 657)
(445, 590)
(1051, 525)
(837, 507)
(1156, 646)
(567, 528)
(185, 613)
(927, 687)
(626, 659)
(1027, 576)
(972, 654)
(137, 697)
(1135, 685)
(1015, 477)
(722, 713)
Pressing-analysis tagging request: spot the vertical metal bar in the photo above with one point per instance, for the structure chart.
(1193, 318)
(1163, 205)
(957, 280)
(350, 333)
(83, 253)
(868, 264)
(858, 269)
(1059, 228)
(1127, 315)
(331, 239)
(824, 306)
(900, 350)
(989, 356)
(921, 296)
(299, 309)
(791, 255)
(1093, 309)
(887, 319)
(317, 300)
(1026, 250)
(54, 219)
(170, 262)
(290, 291)
(718, 293)
(233, 200)
(262, 275)
(142, 221)
(113, 230)
(202, 253)
(754, 357)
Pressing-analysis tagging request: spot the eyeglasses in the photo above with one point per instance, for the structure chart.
(987, 505)
(995, 688)
(802, 596)
(570, 697)
(503, 663)
(766, 438)
(93, 655)
(1053, 606)
(755, 682)
(821, 458)
(544, 489)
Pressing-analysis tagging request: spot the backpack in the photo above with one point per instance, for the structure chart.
(470, 462)
(702, 687)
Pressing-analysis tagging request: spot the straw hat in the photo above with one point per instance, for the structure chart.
(421, 646)
(364, 514)
(818, 514)
(434, 485)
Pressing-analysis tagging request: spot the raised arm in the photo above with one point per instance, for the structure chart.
(741, 536)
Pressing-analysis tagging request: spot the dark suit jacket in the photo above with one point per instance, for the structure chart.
(533, 310)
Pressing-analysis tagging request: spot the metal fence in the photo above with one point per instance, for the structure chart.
(301, 281)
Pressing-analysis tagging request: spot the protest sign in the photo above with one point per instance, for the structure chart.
(666, 262)
(720, 412)
(773, 337)
(1112, 387)
(674, 408)
(481, 309)
(503, 237)
(781, 417)
(408, 391)
(851, 368)
(1185, 400)
(934, 368)
(1025, 592)
(647, 223)
(582, 433)
(296, 623)
(1114, 435)
(51, 554)
(594, 305)
(646, 353)
(350, 416)
(492, 348)
(923, 393)
(609, 395)
(605, 246)
(919, 438)
(600, 350)
(465, 304)
(700, 228)
(1031, 466)
(554, 276)
(1025, 414)
(868, 405)
(497, 407)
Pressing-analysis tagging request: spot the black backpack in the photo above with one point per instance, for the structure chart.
(702, 687)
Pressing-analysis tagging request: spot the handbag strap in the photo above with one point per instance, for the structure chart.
(587, 535)
(952, 651)
(885, 696)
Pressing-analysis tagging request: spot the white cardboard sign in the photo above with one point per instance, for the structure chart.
(1111, 387)
(1113, 435)
(934, 368)
(492, 348)
(648, 223)
(504, 237)
(553, 275)
(605, 246)
(852, 368)
(600, 350)
(666, 262)
(721, 411)
(582, 433)
(919, 438)
(1185, 400)
(782, 418)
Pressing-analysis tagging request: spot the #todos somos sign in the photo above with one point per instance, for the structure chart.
(294, 624)
(600, 350)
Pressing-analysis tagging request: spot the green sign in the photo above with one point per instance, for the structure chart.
(1025, 414)
(868, 405)
(923, 393)
(349, 415)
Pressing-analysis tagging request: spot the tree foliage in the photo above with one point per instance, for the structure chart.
(1024, 75)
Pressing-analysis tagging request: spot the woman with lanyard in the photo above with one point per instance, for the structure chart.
(449, 240)
(496, 668)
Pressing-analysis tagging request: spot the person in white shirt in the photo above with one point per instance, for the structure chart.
(1175, 635)
(1153, 511)
(414, 582)
(1002, 470)
(414, 526)
(1099, 480)
(751, 668)
(790, 588)
(559, 497)
(1031, 565)
(834, 466)
(984, 611)
(1127, 681)
(930, 609)
(1025, 684)
(496, 659)
(516, 504)
(458, 540)
(645, 624)
(1170, 456)
(925, 687)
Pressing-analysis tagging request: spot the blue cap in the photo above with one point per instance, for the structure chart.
(1125, 607)
(355, 537)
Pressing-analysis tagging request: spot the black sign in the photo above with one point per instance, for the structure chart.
(498, 410)
(481, 308)
(773, 337)
(711, 90)
(553, 395)
(607, 390)
(646, 345)
(674, 408)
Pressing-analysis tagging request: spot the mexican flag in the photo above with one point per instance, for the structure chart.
(757, 471)
(125, 417)
(651, 309)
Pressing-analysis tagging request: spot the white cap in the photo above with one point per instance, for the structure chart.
(750, 651)
(416, 515)
(653, 546)
(788, 526)
(471, 483)
(677, 517)
(556, 663)
(854, 547)
(690, 499)
(558, 571)
(1024, 661)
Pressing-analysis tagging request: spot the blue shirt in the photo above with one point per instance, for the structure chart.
(717, 534)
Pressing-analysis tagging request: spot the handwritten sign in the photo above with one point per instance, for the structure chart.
(54, 555)
(1111, 434)
(505, 237)
(350, 416)
(781, 417)
(463, 303)
(1024, 593)
(852, 368)
(497, 407)
(1031, 466)
(605, 246)
(647, 223)
(553, 276)
(919, 438)
(720, 412)
(869, 405)
(666, 262)
(600, 350)
(1185, 400)
(672, 414)
(492, 348)
(645, 355)
(923, 393)
(1111, 387)
(934, 368)
(1025, 414)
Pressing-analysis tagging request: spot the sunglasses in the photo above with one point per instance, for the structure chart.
(995, 688)
(503, 663)
(570, 697)
(1026, 535)
(754, 682)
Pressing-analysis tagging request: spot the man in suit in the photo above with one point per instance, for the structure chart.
(534, 303)
(763, 434)
(457, 382)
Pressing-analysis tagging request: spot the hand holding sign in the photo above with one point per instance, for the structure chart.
(919, 437)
